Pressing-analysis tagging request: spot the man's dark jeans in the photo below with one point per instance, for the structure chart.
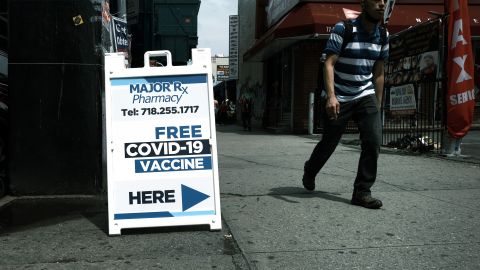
(365, 113)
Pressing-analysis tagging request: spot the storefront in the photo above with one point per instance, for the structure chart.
(291, 43)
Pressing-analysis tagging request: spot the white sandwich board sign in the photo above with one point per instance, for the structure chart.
(161, 144)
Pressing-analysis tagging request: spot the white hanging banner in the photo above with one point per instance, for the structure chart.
(161, 145)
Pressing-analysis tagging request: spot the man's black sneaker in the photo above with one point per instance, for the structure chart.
(308, 181)
(367, 201)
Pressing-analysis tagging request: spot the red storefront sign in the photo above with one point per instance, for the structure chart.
(460, 91)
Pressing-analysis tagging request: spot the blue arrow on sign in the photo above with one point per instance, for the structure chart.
(191, 197)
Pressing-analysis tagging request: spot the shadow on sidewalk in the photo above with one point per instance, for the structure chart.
(284, 193)
(27, 214)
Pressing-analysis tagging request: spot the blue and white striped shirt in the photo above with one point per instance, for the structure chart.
(353, 69)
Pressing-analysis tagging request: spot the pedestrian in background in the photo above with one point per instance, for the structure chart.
(222, 113)
(215, 107)
(246, 108)
(354, 78)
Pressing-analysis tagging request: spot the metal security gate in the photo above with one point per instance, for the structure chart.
(422, 129)
(413, 115)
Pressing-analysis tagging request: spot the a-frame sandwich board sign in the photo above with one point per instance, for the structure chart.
(160, 144)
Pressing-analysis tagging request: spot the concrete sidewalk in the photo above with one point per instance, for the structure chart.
(430, 218)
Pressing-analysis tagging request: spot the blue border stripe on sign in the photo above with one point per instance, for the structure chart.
(194, 213)
(162, 214)
(186, 79)
(173, 164)
(142, 215)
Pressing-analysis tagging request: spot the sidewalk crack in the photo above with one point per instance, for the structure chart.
(237, 246)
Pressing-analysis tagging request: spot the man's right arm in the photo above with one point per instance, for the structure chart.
(333, 49)
(332, 105)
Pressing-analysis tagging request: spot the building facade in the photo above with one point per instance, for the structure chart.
(282, 41)
(220, 68)
(3, 95)
(250, 73)
(55, 83)
(163, 25)
(223, 86)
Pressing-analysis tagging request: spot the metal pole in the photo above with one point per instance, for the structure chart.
(311, 102)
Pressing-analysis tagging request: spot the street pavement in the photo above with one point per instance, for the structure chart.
(470, 146)
(430, 218)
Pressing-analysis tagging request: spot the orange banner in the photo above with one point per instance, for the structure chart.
(460, 86)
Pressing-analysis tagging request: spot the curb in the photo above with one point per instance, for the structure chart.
(4, 201)
(8, 199)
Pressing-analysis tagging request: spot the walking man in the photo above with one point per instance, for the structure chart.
(354, 78)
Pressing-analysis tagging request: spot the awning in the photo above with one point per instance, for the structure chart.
(315, 20)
